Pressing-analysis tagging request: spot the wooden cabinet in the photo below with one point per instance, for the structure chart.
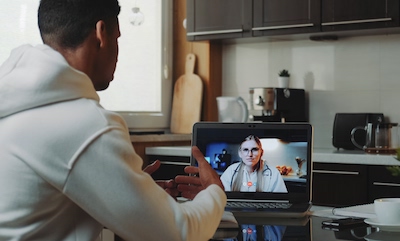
(382, 183)
(338, 15)
(339, 184)
(277, 17)
(223, 19)
(218, 19)
(351, 184)
(141, 142)
(171, 166)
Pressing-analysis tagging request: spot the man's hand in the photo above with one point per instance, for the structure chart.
(168, 185)
(199, 177)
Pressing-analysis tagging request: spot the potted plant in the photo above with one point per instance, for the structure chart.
(284, 77)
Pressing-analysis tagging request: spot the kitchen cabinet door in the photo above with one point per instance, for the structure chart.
(339, 185)
(218, 19)
(338, 15)
(276, 17)
(383, 182)
(171, 166)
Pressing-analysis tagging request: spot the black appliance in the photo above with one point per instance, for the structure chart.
(278, 105)
(345, 122)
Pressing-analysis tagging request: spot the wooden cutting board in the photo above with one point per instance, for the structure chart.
(187, 99)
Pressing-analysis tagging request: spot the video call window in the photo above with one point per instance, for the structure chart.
(277, 153)
(284, 154)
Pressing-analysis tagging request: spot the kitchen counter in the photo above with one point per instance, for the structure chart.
(319, 155)
(160, 138)
(184, 151)
(141, 142)
(353, 157)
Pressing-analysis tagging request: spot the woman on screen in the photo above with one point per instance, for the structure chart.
(252, 174)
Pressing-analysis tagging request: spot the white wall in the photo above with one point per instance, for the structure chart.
(358, 74)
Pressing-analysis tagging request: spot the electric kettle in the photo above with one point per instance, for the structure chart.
(232, 109)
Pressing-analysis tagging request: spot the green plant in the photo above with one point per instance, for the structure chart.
(284, 73)
(395, 170)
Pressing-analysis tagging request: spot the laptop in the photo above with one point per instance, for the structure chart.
(285, 189)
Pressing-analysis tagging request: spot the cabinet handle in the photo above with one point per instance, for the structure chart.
(175, 163)
(386, 184)
(336, 172)
(357, 21)
(283, 27)
(214, 32)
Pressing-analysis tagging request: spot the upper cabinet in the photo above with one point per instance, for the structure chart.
(218, 19)
(339, 15)
(276, 17)
(224, 19)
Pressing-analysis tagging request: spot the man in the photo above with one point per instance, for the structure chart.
(67, 167)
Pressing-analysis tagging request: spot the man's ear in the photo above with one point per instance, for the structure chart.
(101, 33)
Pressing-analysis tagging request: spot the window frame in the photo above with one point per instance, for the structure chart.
(158, 121)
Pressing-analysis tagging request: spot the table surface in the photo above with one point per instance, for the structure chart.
(305, 229)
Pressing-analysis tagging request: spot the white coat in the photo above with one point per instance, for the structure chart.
(272, 180)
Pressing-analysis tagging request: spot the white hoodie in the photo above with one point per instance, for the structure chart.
(68, 169)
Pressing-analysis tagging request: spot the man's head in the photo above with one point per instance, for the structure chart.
(85, 32)
(67, 23)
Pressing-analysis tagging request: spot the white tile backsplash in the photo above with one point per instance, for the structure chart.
(358, 74)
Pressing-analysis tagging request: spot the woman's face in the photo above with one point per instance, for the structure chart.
(250, 153)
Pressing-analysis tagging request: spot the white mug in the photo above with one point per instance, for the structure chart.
(388, 210)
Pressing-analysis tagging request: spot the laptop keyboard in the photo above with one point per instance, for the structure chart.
(258, 205)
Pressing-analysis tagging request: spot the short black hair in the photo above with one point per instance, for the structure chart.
(67, 23)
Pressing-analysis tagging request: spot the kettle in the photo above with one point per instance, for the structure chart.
(381, 138)
(232, 109)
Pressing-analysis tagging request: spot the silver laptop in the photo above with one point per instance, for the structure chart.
(277, 186)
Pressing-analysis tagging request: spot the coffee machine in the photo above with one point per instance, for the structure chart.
(277, 105)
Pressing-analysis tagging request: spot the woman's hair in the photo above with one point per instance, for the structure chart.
(67, 23)
(238, 182)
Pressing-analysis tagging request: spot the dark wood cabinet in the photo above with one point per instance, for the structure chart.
(171, 166)
(339, 185)
(277, 17)
(218, 19)
(225, 19)
(350, 184)
(382, 182)
(141, 142)
(339, 15)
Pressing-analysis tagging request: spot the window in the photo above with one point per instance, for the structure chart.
(142, 87)
(19, 29)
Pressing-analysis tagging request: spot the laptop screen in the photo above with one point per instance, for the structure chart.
(258, 160)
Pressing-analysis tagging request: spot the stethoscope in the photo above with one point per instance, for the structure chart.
(263, 173)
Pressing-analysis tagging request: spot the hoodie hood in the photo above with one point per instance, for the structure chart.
(37, 76)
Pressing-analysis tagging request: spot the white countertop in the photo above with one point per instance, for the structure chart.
(319, 155)
(169, 151)
(353, 157)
